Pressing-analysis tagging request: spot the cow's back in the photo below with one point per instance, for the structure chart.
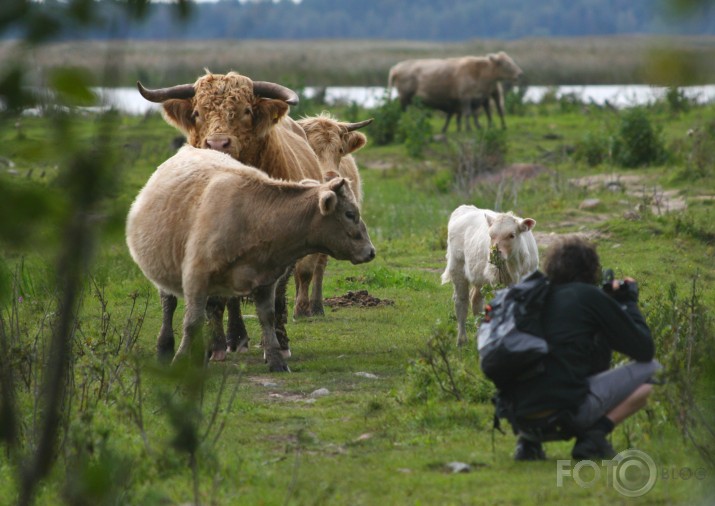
(162, 217)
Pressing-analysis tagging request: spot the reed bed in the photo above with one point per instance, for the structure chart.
(545, 61)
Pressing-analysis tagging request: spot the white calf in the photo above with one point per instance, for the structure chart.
(483, 247)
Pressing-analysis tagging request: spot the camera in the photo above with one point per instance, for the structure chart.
(607, 281)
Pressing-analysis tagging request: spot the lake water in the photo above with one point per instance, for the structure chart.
(129, 101)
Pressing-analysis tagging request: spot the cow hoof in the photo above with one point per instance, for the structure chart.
(275, 360)
(279, 368)
(318, 311)
(241, 347)
(304, 313)
(218, 356)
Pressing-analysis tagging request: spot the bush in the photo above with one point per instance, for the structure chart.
(676, 100)
(638, 142)
(514, 102)
(415, 129)
(698, 152)
(382, 131)
(683, 329)
(477, 155)
(446, 372)
(594, 149)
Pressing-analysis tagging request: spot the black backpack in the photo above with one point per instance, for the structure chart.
(511, 340)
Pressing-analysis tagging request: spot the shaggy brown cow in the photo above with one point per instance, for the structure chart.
(452, 83)
(247, 120)
(333, 141)
(230, 230)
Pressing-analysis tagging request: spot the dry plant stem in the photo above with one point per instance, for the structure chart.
(69, 271)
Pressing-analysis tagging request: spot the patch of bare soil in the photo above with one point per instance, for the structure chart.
(637, 187)
(361, 298)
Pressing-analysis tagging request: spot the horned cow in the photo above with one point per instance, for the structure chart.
(458, 84)
(247, 120)
(227, 229)
(485, 247)
(333, 142)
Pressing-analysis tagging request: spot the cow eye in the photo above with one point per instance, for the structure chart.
(351, 216)
(512, 236)
(195, 114)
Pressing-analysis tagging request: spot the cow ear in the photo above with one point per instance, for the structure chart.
(337, 184)
(328, 202)
(330, 175)
(490, 219)
(268, 113)
(527, 224)
(354, 141)
(179, 113)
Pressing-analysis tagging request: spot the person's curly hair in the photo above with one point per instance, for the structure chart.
(572, 258)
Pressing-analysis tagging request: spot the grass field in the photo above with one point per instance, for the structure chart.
(135, 433)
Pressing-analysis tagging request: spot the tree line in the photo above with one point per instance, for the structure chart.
(359, 19)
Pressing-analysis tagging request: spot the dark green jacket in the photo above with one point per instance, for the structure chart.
(577, 318)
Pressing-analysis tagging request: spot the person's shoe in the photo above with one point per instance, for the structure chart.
(528, 450)
(592, 445)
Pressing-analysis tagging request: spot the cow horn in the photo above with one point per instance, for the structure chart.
(272, 90)
(162, 94)
(355, 126)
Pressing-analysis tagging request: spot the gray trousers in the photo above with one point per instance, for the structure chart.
(610, 388)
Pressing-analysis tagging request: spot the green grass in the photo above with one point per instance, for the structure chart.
(368, 441)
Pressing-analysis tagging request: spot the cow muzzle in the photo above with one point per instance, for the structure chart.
(367, 256)
(220, 142)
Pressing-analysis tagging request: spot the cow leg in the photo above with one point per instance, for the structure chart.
(461, 307)
(214, 312)
(500, 111)
(192, 344)
(476, 300)
(488, 111)
(264, 297)
(165, 340)
(446, 122)
(237, 335)
(466, 111)
(316, 298)
(281, 313)
(303, 275)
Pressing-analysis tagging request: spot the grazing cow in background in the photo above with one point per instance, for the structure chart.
(333, 142)
(485, 247)
(247, 120)
(228, 229)
(452, 84)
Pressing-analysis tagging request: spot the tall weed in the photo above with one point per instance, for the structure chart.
(684, 332)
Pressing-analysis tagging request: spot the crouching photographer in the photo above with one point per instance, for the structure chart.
(575, 394)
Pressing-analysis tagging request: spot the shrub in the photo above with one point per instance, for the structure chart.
(446, 372)
(683, 330)
(415, 129)
(514, 102)
(387, 117)
(594, 149)
(477, 155)
(638, 142)
(698, 152)
(676, 100)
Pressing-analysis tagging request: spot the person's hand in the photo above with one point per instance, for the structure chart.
(624, 290)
